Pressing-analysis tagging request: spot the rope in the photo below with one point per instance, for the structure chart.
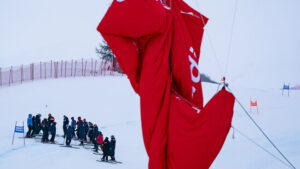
(226, 67)
(251, 140)
(231, 35)
(246, 112)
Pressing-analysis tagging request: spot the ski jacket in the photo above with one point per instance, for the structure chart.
(112, 146)
(85, 126)
(106, 146)
(73, 124)
(100, 139)
(80, 129)
(29, 120)
(52, 129)
(69, 132)
(66, 122)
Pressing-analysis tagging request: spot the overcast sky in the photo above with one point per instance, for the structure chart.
(265, 45)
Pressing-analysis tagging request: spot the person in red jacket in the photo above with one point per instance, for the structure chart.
(99, 141)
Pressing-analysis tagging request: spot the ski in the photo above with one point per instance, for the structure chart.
(70, 147)
(110, 162)
(97, 153)
(114, 161)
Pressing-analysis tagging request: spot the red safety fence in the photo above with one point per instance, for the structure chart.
(58, 69)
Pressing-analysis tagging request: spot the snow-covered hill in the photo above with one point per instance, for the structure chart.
(112, 104)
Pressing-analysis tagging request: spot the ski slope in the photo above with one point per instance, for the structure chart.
(112, 104)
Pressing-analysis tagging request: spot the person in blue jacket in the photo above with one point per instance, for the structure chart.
(73, 125)
(52, 130)
(69, 135)
(29, 125)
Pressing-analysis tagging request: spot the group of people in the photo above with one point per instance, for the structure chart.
(81, 129)
(47, 125)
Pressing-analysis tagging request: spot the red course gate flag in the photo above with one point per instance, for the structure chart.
(158, 47)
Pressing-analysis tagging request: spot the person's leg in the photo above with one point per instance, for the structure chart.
(96, 150)
(68, 141)
(28, 132)
(106, 157)
(112, 156)
(52, 138)
(32, 131)
(64, 129)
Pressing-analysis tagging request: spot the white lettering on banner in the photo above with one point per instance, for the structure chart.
(194, 65)
(193, 91)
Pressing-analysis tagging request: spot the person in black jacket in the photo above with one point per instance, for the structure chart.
(52, 130)
(95, 135)
(112, 147)
(86, 129)
(45, 131)
(33, 127)
(105, 149)
(69, 135)
(90, 133)
(80, 130)
(65, 125)
(38, 124)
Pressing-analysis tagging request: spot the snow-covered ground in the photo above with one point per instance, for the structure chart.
(112, 104)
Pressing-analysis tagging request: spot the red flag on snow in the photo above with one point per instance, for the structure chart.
(148, 38)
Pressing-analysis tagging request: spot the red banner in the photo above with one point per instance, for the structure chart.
(148, 38)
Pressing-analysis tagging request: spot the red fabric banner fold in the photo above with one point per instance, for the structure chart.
(158, 47)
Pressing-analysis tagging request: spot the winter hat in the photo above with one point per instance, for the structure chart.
(112, 136)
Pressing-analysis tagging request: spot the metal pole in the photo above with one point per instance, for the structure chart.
(72, 68)
(14, 134)
(0, 77)
(40, 70)
(75, 68)
(24, 133)
(45, 68)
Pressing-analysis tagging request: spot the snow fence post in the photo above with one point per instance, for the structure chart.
(24, 133)
(14, 134)
(0, 77)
